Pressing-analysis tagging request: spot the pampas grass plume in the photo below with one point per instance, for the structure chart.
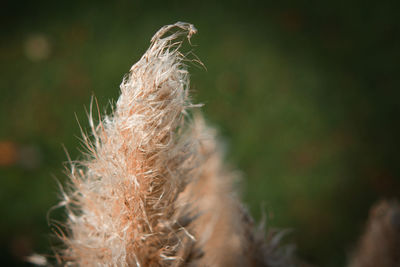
(380, 243)
(121, 209)
(153, 189)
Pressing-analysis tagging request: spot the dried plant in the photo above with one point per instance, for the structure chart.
(380, 244)
(153, 189)
(225, 231)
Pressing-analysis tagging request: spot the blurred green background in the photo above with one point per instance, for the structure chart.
(304, 93)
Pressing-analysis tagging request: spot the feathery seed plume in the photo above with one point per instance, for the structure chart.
(380, 243)
(121, 209)
(153, 190)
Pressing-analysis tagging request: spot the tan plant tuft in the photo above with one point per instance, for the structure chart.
(153, 189)
(380, 243)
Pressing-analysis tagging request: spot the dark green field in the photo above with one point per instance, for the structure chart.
(305, 96)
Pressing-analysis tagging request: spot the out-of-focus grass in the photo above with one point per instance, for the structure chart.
(305, 95)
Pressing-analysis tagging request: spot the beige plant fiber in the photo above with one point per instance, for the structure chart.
(153, 190)
(380, 243)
